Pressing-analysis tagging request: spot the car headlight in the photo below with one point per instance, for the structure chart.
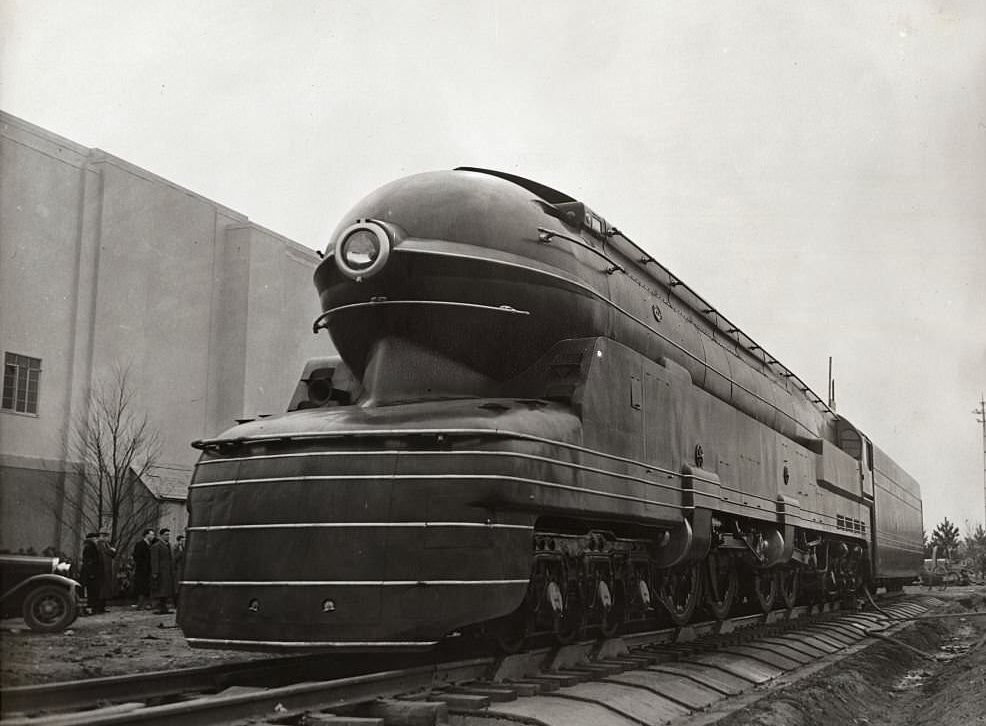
(61, 568)
(362, 249)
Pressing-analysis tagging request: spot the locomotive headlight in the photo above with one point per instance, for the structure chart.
(363, 249)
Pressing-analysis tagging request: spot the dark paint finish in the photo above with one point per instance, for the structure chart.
(506, 367)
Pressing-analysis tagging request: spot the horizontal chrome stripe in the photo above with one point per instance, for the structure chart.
(747, 494)
(347, 583)
(381, 433)
(438, 477)
(322, 320)
(355, 525)
(509, 454)
(220, 642)
(770, 508)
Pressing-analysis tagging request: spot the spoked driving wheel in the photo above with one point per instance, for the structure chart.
(680, 591)
(612, 602)
(567, 620)
(765, 589)
(788, 581)
(858, 568)
(723, 582)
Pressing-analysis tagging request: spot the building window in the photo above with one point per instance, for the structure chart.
(21, 380)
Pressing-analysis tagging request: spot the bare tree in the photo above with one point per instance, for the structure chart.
(114, 447)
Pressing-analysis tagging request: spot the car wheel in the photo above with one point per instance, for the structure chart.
(49, 608)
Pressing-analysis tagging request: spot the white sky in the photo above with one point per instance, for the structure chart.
(816, 170)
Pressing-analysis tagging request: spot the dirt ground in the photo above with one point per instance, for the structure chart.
(118, 642)
(890, 685)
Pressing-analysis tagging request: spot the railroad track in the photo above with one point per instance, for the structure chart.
(639, 678)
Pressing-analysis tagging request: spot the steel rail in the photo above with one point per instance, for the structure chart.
(154, 684)
(338, 693)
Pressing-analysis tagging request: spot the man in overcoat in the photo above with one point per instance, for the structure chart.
(162, 571)
(179, 555)
(142, 569)
(106, 554)
(92, 574)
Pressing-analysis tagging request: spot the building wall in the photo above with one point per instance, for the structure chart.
(105, 265)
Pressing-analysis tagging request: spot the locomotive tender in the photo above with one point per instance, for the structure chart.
(531, 427)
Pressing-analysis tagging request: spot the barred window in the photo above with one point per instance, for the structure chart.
(21, 380)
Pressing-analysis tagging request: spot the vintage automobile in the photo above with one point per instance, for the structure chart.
(941, 572)
(38, 589)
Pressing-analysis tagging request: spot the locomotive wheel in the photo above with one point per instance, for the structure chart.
(831, 587)
(567, 617)
(723, 582)
(765, 589)
(567, 625)
(612, 619)
(680, 591)
(857, 577)
(788, 581)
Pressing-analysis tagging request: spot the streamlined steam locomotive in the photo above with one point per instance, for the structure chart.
(531, 428)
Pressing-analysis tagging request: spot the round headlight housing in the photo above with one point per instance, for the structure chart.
(363, 249)
(360, 249)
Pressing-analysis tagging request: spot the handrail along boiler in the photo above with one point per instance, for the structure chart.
(531, 427)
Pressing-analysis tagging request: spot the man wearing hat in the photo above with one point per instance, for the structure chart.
(92, 574)
(107, 552)
(162, 571)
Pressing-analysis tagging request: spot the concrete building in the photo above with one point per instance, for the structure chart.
(103, 266)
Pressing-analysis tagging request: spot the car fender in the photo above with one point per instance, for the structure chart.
(30, 583)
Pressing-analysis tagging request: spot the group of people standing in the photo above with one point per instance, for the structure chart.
(157, 570)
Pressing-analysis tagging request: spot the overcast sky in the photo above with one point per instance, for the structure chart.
(816, 170)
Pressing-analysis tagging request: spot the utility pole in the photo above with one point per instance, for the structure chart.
(981, 414)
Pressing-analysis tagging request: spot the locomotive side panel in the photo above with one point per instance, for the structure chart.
(676, 424)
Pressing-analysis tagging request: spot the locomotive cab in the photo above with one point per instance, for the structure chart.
(860, 448)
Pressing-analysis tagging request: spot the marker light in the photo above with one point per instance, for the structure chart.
(363, 249)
